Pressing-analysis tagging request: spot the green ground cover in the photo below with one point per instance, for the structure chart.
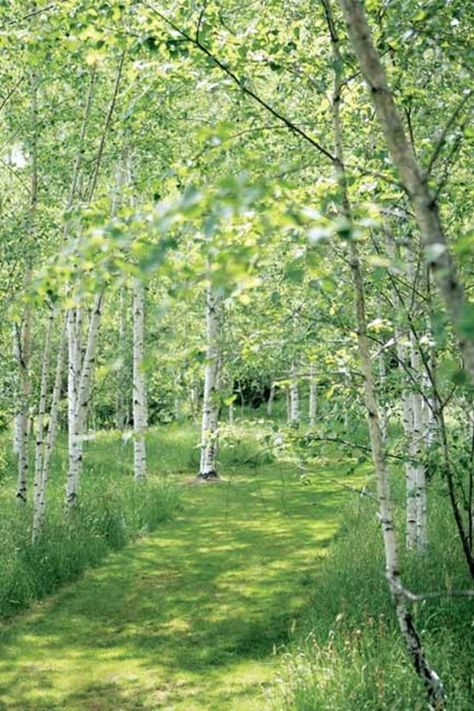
(191, 616)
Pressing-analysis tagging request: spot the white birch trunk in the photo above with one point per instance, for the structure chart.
(433, 684)
(23, 336)
(74, 324)
(294, 397)
(121, 400)
(210, 408)
(194, 401)
(412, 174)
(40, 420)
(417, 441)
(270, 400)
(81, 367)
(139, 382)
(313, 395)
(39, 509)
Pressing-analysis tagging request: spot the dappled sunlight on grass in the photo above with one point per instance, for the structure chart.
(187, 618)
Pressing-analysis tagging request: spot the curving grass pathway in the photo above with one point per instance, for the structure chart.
(187, 618)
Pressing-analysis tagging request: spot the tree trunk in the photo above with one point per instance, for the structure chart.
(81, 367)
(313, 395)
(294, 397)
(210, 408)
(429, 677)
(22, 349)
(270, 400)
(416, 452)
(121, 399)
(415, 182)
(39, 440)
(140, 419)
(40, 501)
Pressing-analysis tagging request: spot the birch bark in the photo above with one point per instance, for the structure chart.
(270, 400)
(294, 396)
(210, 408)
(39, 440)
(139, 382)
(313, 395)
(412, 641)
(39, 509)
(416, 183)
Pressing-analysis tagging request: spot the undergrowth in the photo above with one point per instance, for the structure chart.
(112, 510)
(350, 654)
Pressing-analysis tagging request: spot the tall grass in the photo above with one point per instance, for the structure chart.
(350, 655)
(112, 510)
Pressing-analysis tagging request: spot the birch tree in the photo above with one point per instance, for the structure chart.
(139, 382)
(414, 178)
(210, 404)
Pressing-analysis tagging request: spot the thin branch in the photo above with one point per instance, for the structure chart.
(442, 139)
(246, 89)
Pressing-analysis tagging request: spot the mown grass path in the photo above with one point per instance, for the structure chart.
(185, 618)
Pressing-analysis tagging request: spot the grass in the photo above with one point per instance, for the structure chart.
(190, 616)
(349, 654)
(112, 511)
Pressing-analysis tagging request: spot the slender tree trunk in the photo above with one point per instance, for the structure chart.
(140, 419)
(416, 183)
(81, 367)
(194, 401)
(74, 328)
(270, 400)
(418, 468)
(294, 396)
(121, 399)
(39, 509)
(313, 395)
(22, 349)
(210, 408)
(39, 441)
(429, 677)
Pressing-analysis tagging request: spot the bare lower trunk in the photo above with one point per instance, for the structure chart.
(416, 452)
(139, 382)
(39, 441)
(22, 347)
(210, 408)
(294, 397)
(39, 509)
(81, 368)
(270, 400)
(121, 399)
(313, 395)
(74, 328)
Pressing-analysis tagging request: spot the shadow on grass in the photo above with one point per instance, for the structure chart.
(190, 616)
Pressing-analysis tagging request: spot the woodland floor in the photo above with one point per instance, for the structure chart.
(190, 617)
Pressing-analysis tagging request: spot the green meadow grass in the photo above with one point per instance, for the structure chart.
(192, 615)
(349, 654)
